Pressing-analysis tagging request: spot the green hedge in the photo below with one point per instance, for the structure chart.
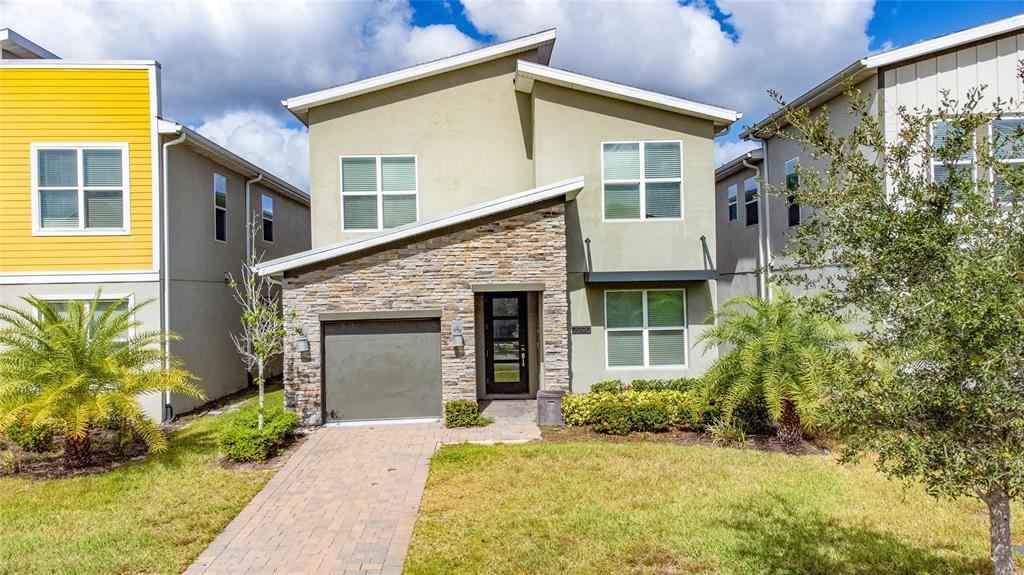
(241, 441)
(629, 410)
(464, 413)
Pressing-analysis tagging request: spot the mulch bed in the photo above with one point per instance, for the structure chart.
(51, 465)
(677, 437)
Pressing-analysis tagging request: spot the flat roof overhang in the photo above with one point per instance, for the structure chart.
(651, 276)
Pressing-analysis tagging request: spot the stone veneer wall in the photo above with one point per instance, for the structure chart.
(436, 272)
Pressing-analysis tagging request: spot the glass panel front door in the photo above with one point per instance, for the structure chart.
(505, 337)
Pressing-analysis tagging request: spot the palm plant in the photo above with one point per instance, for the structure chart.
(72, 365)
(784, 352)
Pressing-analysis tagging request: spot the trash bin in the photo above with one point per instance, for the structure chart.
(549, 407)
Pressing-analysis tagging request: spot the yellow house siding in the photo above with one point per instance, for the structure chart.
(40, 105)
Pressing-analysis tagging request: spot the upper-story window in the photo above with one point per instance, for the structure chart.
(645, 328)
(220, 207)
(733, 206)
(378, 192)
(792, 183)
(750, 198)
(80, 188)
(1006, 134)
(268, 217)
(642, 180)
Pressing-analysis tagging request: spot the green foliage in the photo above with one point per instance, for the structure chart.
(9, 463)
(242, 439)
(630, 410)
(727, 432)
(613, 386)
(785, 352)
(34, 439)
(76, 367)
(464, 413)
(681, 384)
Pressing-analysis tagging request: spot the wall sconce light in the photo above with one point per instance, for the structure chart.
(302, 345)
(457, 340)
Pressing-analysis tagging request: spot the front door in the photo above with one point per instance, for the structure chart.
(505, 336)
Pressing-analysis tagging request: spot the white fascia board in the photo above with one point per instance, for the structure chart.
(945, 42)
(29, 278)
(8, 36)
(299, 104)
(80, 64)
(568, 188)
(528, 72)
(231, 160)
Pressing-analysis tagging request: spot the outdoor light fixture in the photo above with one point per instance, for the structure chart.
(457, 340)
(303, 344)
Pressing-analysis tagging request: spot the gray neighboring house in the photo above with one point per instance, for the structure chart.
(486, 226)
(913, 76)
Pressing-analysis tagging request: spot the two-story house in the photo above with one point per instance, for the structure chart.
(97, 192)
(486, 226)
(753, 231)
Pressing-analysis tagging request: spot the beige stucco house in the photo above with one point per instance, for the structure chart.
(752, 231)
(486, 226)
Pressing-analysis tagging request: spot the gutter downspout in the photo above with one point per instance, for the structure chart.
(762, 284)
(767, 227)
(165, 276)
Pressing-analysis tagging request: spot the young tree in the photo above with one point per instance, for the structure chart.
(784, 353)
(926, 232)
(263, 329)
(82, 364)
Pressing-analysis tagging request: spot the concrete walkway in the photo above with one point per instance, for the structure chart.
(346, 501)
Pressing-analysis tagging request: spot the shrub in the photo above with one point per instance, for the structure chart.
(631, 410)
(727, 432)
(613, 386)
(681, 384)
(240, 440)
(8, 463)
(34, 438)
(464, 413)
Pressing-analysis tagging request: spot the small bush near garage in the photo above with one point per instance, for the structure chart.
(464, 413)
(630, 410)
(241, 441)
(32, 438)
(613, 386)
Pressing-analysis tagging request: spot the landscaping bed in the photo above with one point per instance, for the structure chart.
(633, 506)
(760, 442)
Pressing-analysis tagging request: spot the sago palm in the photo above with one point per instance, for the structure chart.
(84, 363)
(784, 352)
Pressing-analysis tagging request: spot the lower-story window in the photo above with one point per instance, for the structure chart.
(119, 305)
(645, 328)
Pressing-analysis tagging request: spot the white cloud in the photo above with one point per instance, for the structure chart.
(726, 150)
(260, 138)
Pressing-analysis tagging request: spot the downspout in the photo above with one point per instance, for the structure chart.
(767, 219)
(762, 284)
(165, 274)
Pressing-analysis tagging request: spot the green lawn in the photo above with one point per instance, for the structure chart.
(150, 517)
(648, 508)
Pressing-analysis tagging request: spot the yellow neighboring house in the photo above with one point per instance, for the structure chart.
(97, 192)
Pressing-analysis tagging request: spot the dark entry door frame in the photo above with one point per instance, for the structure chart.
(506, 343)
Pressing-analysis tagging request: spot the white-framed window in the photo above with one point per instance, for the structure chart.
(939, 168)
(1009, 149)
(750, 200)
(267, 204)
(731, 198)
(122, 302)
(642, 180)
(80, 189)
(792, 184)
(645, 328)
(378, 192)
(220, 208)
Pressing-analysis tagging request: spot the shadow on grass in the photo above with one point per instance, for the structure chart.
(780, 538)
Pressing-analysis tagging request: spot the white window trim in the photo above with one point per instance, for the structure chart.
(264, 218)
(87, 299)
(380, 193)
(732, 199)
(643, 182)
(785, 182)
(1008, 161)
(217, 208)
(645, 329)
(757, 197)
(81, 230)
(933, 162)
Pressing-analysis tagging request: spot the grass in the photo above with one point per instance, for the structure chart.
(155, 516)
(648, 508)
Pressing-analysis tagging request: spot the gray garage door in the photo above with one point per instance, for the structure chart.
(382, 369)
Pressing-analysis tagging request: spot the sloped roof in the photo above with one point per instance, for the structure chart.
(568, 188)
(300, 105)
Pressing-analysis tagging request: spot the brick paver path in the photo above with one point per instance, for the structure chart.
(345, 502)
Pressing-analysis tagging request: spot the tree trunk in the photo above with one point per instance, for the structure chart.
(789, 425)
(76, 450)
(999, 529)
(259, 411)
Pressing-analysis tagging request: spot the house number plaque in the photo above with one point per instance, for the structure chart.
(581, 330)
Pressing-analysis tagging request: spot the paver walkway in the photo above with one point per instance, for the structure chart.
(346, 501)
